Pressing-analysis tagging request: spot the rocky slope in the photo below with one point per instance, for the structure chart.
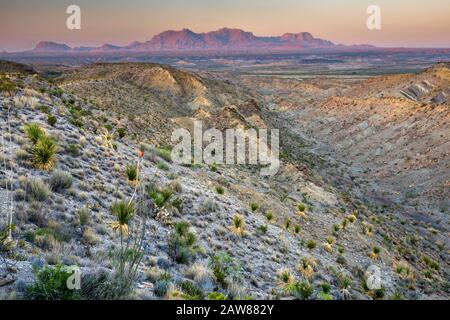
(297, 226)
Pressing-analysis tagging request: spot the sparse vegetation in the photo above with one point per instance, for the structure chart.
(238, 226)
(60, 180)
(34, 132)
(44, 153)
(131, 172)
(182, 243)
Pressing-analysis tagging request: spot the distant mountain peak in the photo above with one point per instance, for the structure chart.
(50, 46)
(223, 39)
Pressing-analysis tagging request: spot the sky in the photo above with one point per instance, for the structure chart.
(404, 23)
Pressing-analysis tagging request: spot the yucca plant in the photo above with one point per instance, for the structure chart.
(44, 152)
(375, 253)
(254, 206)
(238, 225)
(307, 267)
(269, 216)
(301, 210)
(124, 211)
(131, 172)
(285, 279)
(34, 132)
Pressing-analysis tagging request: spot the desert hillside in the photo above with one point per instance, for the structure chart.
(87, 181)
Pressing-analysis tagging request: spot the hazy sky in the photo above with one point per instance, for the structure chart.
(411, 23)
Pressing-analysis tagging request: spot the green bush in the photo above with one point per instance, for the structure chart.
(60, 180)
(193, 291)
(224, 269)
(181, 243)
(34, 132)
(161, 287)
(165, 154)
(103, 286)
(217, 296)
(160, 196)
(302, 290)
(51, 284)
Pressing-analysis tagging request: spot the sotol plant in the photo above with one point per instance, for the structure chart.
(34, 132)
(44, 153)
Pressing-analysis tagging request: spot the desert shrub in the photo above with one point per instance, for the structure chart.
(431, 263)
(177, 203)
(302, 290)
(161, 287)
(162, 166)
(324, 296)
(193, 291)
(34, 132)
(164, 153)
(176, 186)
(208, 206)
(181, 243)
(6, 85)
(224, 268)
(160, 196)
(60, 180)
(131, 172)
(103, 286)
(51, 120)
(44, 152)
(19, 195)
(51, 284)
(83, 216)
(37, 189)
(297, 229)
(217, 296)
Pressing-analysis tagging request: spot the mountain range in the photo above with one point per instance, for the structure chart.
(223, 39)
